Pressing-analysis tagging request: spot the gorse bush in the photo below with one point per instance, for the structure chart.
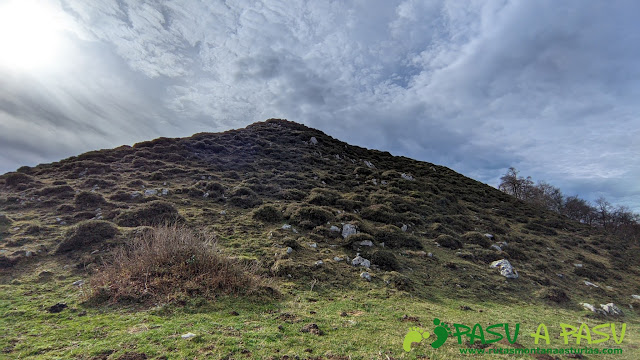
(168, 263)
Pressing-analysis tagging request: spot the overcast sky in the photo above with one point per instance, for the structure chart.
(549, 87)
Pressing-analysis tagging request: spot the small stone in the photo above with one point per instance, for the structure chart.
(338, 259)
(313, 245)
(289, 250)
(366, 243)
(635, 297)
(319, 263)
(334, 228)
(165, 192)
(560, 275)
(369, 164)
(577, 265)
(365, 275)
(589, 283)
(78, 283)
(95, 252)
(150, 192)
(406, 177)
(28, 253)
(496, 247)
(313, 141)
(188, 335)
(360, 261)
(430, 255)
(286, 227)
(348, 230)
(223, 212)
(489, 236)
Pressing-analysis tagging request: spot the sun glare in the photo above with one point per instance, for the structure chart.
(30, 34)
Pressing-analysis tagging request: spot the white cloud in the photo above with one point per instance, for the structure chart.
(548, 87)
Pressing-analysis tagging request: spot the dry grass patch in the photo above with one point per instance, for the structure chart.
(169, 263)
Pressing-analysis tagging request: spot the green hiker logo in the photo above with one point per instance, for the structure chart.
(416, 335)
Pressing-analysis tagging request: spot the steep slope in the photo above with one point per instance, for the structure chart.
(426, 229)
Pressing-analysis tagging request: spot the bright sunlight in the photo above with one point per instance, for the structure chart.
(30, 34)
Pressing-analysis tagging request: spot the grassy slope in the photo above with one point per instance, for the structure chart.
(273, 160)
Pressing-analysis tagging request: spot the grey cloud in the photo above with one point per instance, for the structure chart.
(544, 86)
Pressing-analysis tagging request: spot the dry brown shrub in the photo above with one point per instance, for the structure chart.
(169, 263)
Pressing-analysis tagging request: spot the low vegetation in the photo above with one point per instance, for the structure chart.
(169, 263)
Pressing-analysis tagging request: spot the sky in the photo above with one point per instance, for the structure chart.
(549, 87)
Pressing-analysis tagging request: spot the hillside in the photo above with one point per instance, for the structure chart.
(299, 206)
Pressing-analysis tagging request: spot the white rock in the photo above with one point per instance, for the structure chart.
(95, 252)
(348, 230)
(404, 227)
(28, 253)
(313, 141)
(577, 265)
(384, 182)
(78, 283)
(319, 263)
(206, 195)
(430, 254)
(489, 236)
(369, 164)
(338, 259)
(165, 192)
(506, 269)
(289, 250)
(223, 212)
(334, 228)
(589, 283)
(406, 177)
(611, 309)
(188, 335)
(360, 261)
(588, 306)
(136, 194)
(375, 181)
(313, 245)
(496, 247)
(366, 243)
(636, 297)
(150, 192)
(286, 227)
(365, 275)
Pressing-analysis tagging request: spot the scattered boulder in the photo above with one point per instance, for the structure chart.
(289, 250)
(506, 269)
(188, 335)
(348, 230)
(407, 177)
(611, 309)
(313, 140)
(334, 228)
(365, 275)
(360, 261)
(150, 192)
(366, 243)
(636, 297)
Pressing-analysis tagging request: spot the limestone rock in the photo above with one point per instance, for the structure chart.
(506, 269)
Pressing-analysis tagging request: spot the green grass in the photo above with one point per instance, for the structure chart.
(373, 327)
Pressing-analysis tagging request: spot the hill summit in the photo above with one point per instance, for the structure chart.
(304, 208)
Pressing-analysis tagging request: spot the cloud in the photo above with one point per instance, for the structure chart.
(479, 86)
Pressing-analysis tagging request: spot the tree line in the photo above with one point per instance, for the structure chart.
(619, 220)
